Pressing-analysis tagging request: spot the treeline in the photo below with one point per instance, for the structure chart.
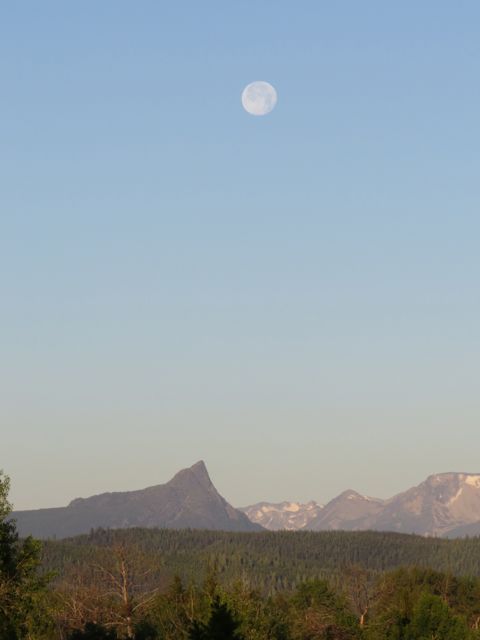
(269, 561)
(201, 585)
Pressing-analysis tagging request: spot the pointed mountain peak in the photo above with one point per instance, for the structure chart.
(197, 473)
(189, 500)
(349, 494)
(199, 469)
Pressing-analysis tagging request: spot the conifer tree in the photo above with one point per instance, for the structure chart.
(220, 626)
(433, 619)
(22, 590)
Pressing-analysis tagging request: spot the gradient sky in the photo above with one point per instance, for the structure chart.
(293, 298)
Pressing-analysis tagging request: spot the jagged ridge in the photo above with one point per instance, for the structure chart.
(445, 504)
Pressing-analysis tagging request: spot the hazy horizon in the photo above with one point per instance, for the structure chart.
(292, 297)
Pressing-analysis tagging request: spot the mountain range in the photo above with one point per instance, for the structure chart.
(444, 505)
(291, 516)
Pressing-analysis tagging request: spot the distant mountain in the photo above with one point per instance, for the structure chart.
(346, 511)
(189, 500)
(444, 505)
(283, 515)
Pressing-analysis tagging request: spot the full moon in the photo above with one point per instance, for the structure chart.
(259, 98)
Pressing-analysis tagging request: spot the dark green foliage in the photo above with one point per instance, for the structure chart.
(316, 594)
(146, 631)
(432, 618)
(420, 604)
(22, 589)
(319, 612)
(271, 561)
(221, 624)
(93, 631)
(197, 631)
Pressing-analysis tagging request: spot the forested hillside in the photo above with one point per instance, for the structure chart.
(269, 561)
(202, 585)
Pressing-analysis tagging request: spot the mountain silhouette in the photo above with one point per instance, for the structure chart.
(188, 500)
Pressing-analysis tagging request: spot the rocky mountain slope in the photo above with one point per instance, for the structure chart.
(438, 506)
(445, 504)
(346, 511)
(283, 515)
(189, 500)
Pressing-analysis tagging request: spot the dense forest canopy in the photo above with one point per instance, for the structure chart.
(270, 561)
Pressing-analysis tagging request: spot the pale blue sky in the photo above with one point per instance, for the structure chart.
(294, 298)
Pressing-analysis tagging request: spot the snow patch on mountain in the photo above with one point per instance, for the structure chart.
(456, 496)
(283, 515)
(473, 481)
(444, 504)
